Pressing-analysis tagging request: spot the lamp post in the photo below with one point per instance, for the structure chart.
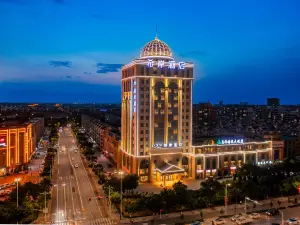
(17, 180)
(282, 218)
(226, 197)
(121, 194)
(246, 198)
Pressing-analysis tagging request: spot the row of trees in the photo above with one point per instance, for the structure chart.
(252, 181)
(89, 152)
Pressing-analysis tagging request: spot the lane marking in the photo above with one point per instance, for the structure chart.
(91, 186)
(66, 216)
(79, 192)
(72, 200)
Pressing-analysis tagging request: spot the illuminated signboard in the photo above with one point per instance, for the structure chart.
(170, 145)
(162, 63)
(2, 142)
(277, 144)
(134, 96)
(230, 141)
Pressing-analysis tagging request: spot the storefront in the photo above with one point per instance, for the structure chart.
(168, 173)
(3, 171)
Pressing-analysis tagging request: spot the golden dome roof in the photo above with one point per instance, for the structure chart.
(156, 48)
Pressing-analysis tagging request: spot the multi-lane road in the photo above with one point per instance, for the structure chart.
(74, 198)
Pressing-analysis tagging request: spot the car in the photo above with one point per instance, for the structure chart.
(292, 221)
(198, 222)
(254, 215)
(219, 221)
(235, 217)
(75, 151)
(76, 166)
(272, 212)
(73, 158)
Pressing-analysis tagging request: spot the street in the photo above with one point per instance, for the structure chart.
(287, 213)
(72, 188)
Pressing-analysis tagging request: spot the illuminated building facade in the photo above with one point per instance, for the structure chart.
(156, 126)
(223, 156)
(16, 146)
(156, 113)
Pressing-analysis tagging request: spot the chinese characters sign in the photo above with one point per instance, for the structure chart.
(169, 145)
(230, 141)
(162, 63)
(2, 142)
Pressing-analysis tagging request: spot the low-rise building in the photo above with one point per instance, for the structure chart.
(16, 147)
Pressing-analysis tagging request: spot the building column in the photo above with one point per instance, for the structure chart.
(204, 166)
(179, 125)
(166, 83)
(192, 167)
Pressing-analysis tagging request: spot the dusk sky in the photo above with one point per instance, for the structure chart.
(73, 50)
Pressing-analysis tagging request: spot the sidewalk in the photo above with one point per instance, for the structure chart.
(210, 214)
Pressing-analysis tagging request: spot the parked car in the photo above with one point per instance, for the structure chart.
(272, 212)
(254, 215)
(219, 221)
(76, 166)
(235, 217)
(292, 221)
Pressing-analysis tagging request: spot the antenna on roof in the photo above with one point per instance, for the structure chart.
(156, 36)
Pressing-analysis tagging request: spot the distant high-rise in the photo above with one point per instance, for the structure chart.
(273, 102)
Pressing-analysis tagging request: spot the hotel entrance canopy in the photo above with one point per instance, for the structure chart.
(168, 168)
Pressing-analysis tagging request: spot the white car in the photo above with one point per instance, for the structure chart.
(75, 151)
(254, 215)
(76, 166)
(292, 221)
(219, 221)
(235, 217)
(241, 221)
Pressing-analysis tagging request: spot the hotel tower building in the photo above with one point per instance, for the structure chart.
(156, 141)
(156, 114)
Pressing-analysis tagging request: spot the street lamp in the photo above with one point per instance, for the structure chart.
(282, 218)
(17, 180)
(121, 173)
(226, 197)
(246, 198)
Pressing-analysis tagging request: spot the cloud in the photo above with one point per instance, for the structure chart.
(82, 67)
(60, 63)
(107, 68)
(194, 53)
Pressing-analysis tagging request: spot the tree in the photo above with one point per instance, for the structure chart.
(154, 203)
(114, 183)
(130, 182)
(181, 192)
(169, 199)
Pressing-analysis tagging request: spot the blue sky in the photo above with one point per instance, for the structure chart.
(72, 50)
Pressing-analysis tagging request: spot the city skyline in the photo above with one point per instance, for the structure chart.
(76, 55)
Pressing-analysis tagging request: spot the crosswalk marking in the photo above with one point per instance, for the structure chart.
(97, 221)
(101, 221)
